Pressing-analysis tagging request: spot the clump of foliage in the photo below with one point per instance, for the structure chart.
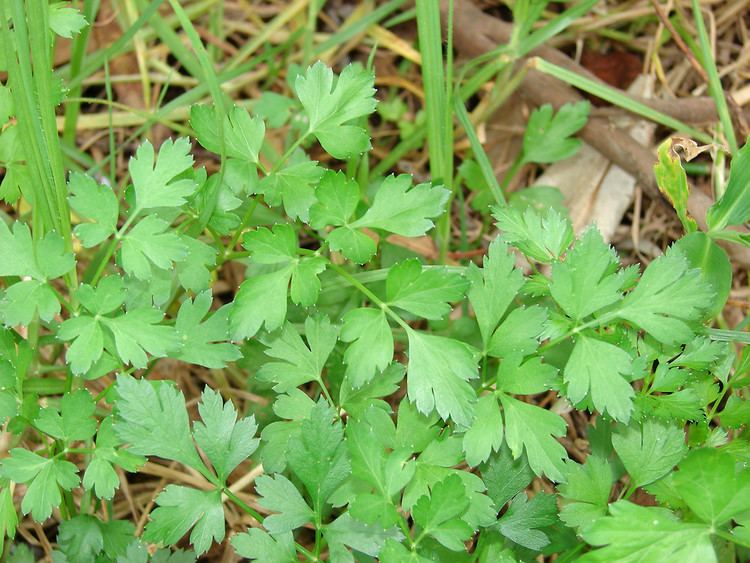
(406, 425)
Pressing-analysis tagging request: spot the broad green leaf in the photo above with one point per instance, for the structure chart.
(438, 376)
(243, 135)
(299, 362)
(548, 137)
(20, 256)
(151, 418)
(156, 180)
(279, 246)
(493, 287)
(672, 181)
(204, 342)
(713, 264)
(534, 429)
(519, 333)
(529, 377)
(669, 296)
(542, 238)
(371, 348)
(22, 301)
(353, 244)
(346, 532)
(402, 209)
(649, 450)
(74, 421)
(84, 538)
(183, 508)
(598, 369)
(260, 301)
(439, 515)
(224, 439)
(635, 534)
(44, 477)
(522, 521)
(425, 293)
(194, 273)
(257, 545)
(95, 202)
(486, 433)
(138, 332)
(337, 198)
(733, 208)
(713, 485)
(586, 491)
(150, 243)
(318, 456)
(100, 475)
(294, 186)
(64, 20)
(331, 104)
(587, 280)
(279, 495)
(505, 477)
(8, 514)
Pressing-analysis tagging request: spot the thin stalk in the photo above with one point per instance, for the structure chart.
(714, 82)
(616, 97)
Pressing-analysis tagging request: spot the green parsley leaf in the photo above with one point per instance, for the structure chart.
(25, 299)
(505, 477)
(586, 491)
(8, 514)
(45, 477)
(598, 369)
(548, 138)
(382, 474)
(330, 105)
(318, 455)
(425, 293)
(519, 333)
(533, 428)
(100, 475)
(243, 135)
(194, 272)
(260, 301)
(150, 243)
(345, 532)
(137, 332)
(95, 202)
(73, 422)
(84, 537)
(542, 238)
(493, 287)
(486, 433)
(402, 209)
(255, 544)
(713, 485)
(668, 297)
(587, 280)
(438, 376)
(649, 450)
(634, 533)
(155, 179)
(182, 508)
(151, 418)
(522, 521)
(278, 494)
(204, 343)
(371, 348)
(293, 185)
(300, 362)
(226, 441)
(64, 20)
(439, 514)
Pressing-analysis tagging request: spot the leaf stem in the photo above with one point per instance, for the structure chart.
(242, 504)
(369, 294)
